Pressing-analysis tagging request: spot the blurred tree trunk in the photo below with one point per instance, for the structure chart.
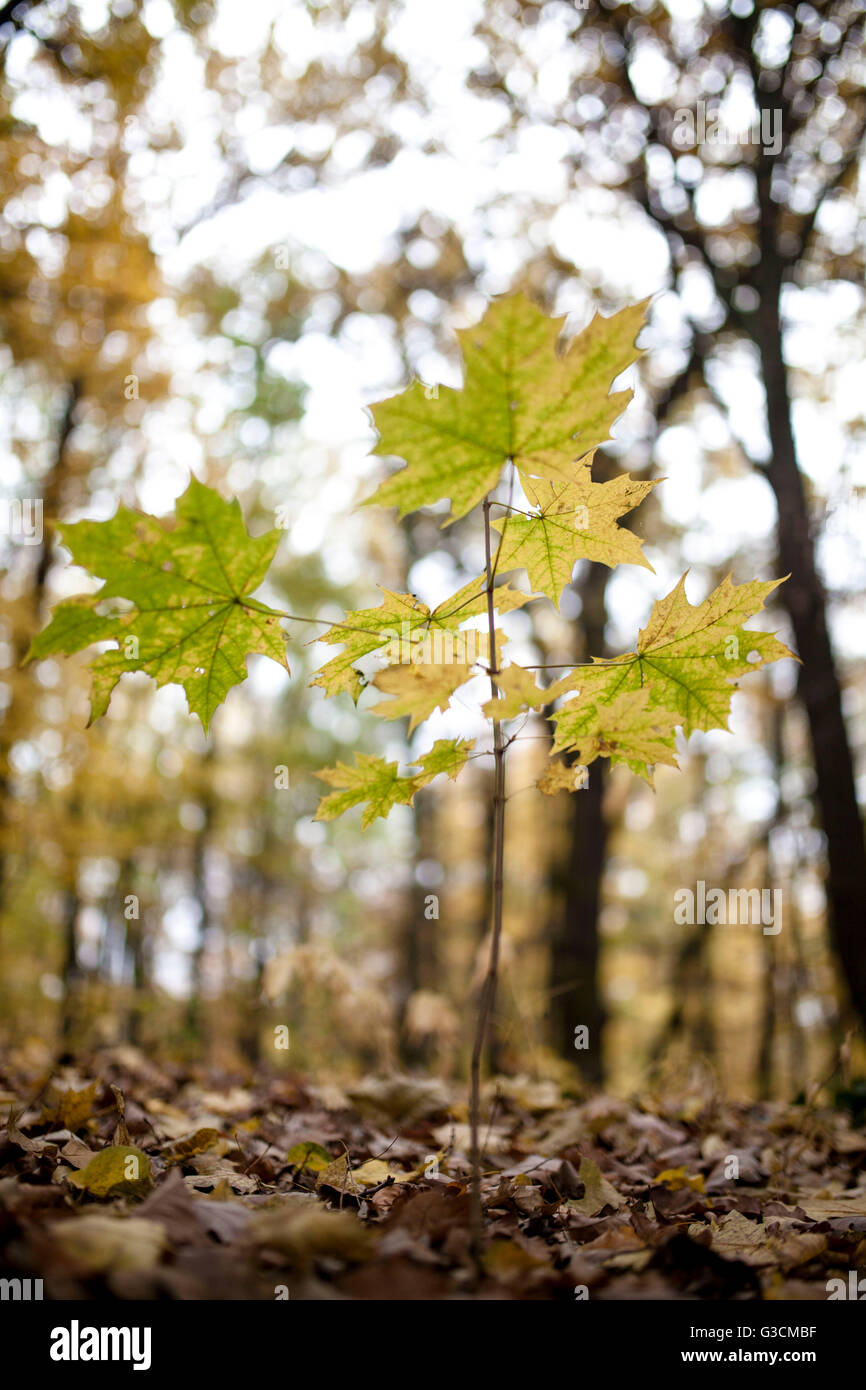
(574, 943)
(261, 892)
(574, 996)
(803, 595)
(251, 1020)
(138, 981)
(771, 963)
(19, 706)
(71, 970)
(419, 956)
(136, 956)
(692, 993)
(71, 973)
(201, 847)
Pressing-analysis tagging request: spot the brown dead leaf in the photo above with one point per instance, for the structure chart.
(179, 1150)
(735, 1237)
(69, 1106)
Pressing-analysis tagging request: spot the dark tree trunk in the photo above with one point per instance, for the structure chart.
(576, 886)
(804, 598)
(194, 1014)
(135, 947)
(71, 970)
(574, 945)
(692, 993)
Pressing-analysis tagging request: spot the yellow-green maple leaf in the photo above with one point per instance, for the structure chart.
(562, 777)
(687, 660)
(518, 691)
(419, 688)
(371, 780)
(575, 520)
(404, 624)
(448, 756)
(380, 783)
(522, 401)
(626, 730)
(192, 621)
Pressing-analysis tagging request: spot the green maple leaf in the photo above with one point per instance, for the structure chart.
(74, 624)
(192, 622)
(371, 780)
(576, 520)
(364, 631)
(688, 658)
(447, 755)
(380, 784)
(522, 401)
(406, 622)
(628, 730)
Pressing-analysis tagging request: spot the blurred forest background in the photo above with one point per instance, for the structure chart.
(225, 228)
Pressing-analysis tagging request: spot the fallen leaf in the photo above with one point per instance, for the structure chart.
(677, 1178)
(310, 1232)
(118, 1171)
(102, 1244)
(598, 1191)
(179, 1150)
(312, 1158)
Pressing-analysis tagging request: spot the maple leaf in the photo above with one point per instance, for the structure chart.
(518, 691)
(447, 755)
(74, 624)
(420, 689)
(688, 657)
(193, 620)
(626, 730)
(687, 662)
(371, 780)
(363, 631)
(380, 784)
(521, 401)
(405, 624)
(562, 777)
(576, 520)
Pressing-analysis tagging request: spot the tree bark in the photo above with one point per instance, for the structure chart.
(803, 596)
(576, 887)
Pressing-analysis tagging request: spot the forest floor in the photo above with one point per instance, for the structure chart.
(123, 1178)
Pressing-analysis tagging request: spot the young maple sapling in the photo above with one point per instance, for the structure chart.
(516, 444)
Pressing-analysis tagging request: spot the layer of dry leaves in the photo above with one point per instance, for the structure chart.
(277, 1187)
